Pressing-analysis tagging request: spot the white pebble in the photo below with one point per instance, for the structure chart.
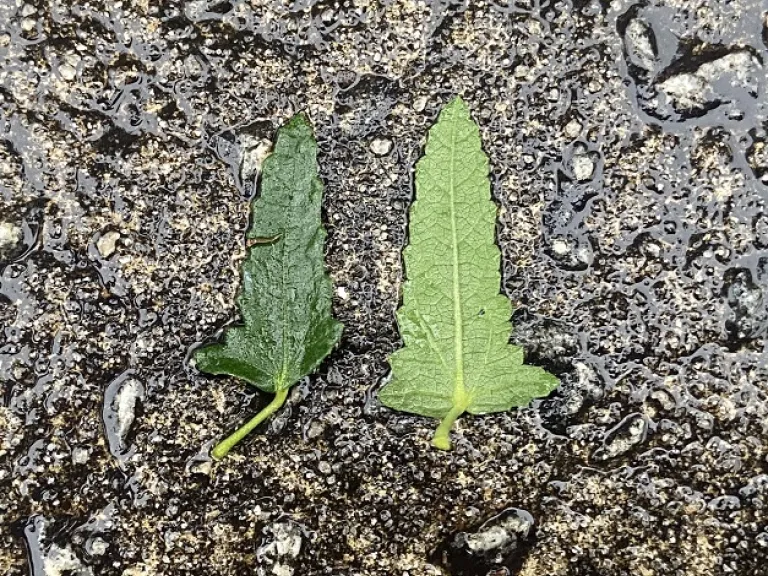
(583, 167)
(420, 104)
(106, 244)
(573, 129)
(381, 146)
(560, 247)
(10, 235)
(67, 71)
(80, 455)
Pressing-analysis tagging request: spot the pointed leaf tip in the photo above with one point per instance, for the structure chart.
(457, 103)
(298, 128)
(299, 119)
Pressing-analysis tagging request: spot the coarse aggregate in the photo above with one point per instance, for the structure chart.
(628, 144)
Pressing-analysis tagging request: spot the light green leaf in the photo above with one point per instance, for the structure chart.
(285, 299)
(454, 322)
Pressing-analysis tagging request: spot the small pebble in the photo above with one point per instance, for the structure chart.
(255, 151)
(106, 244)
(381, 146)
(80, 455)
(573, 129)
(420, 104)
(10, 237)
(583, 167)
(98, 547)
(67, 71)
(560, 247)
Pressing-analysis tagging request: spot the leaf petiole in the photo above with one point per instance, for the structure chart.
(442, 436)
(223, 447)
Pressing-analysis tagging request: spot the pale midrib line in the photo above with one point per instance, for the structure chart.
(284, 373)
(458, 321)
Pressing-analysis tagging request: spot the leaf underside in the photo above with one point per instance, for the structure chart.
(285, 297)
(454, 322)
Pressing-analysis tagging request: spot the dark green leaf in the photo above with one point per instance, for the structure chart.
(285, 297)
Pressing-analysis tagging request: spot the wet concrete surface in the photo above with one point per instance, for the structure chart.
(629, 153)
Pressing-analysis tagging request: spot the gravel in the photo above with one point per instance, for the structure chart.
(627, 144)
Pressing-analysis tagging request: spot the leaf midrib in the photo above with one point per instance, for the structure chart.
(460, 397)
(281, 379)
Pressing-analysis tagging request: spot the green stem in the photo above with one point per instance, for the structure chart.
(223, 447)
(442, 437)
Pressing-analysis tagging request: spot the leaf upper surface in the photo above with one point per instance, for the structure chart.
(285, 297)
(453, 320)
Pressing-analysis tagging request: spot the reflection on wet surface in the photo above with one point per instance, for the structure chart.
(629, 159)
